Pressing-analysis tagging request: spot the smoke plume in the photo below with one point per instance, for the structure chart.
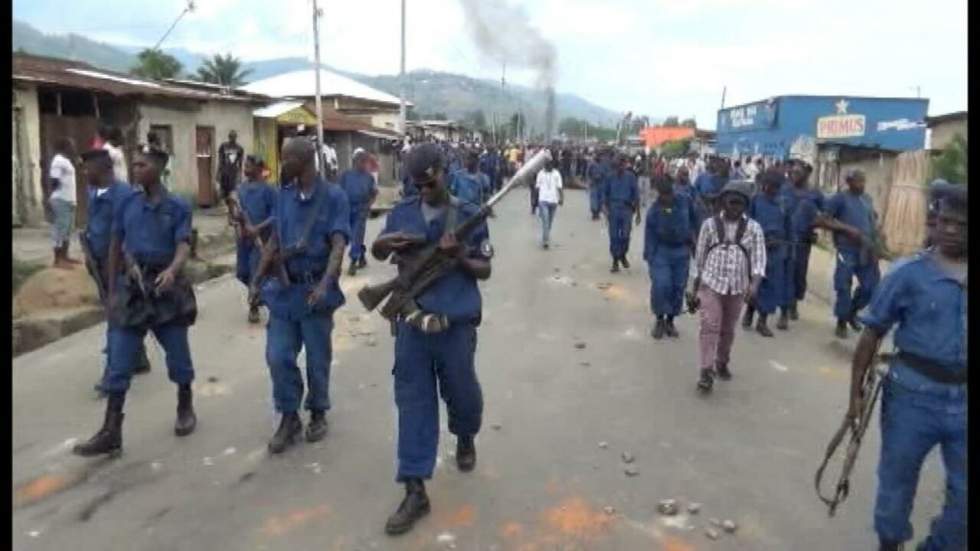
(503, 33)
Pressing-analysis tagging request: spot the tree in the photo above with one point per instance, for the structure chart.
(671, 121)
(675, 148)
(951, 164)
(156, 65)
(476, 119)
(224, 70)
(689, 123)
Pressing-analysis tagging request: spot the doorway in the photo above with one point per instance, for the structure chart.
(205, 160)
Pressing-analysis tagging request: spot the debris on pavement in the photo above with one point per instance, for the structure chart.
(693, 508)
(711, 533)
(208, 462)
(667, 507)
(729, 526)
(580, 345)
(496, 426)
(608, 510)
(603, 445)
(627, 457)
(212, 379)
(584, 364)
(631, 471)
(715, 522)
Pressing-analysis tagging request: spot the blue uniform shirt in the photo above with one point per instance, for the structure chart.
(101, 215)
(257, 200)
(468, 187)
(455, 295)
(597, 172)
(292, 212)
(150, 232)
(771, 214)
(669, 227)
(929, 307)
(358, 186)
(620, 191)
(709, 184)
(808, 203)
(853, 210)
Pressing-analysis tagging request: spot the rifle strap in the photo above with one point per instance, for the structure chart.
(321, 190)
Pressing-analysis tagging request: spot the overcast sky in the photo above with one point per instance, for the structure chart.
(656, 57)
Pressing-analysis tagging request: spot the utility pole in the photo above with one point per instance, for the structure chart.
(401, 81)
(503, 94)
(188, 9)
(319, 102)
(723, 90)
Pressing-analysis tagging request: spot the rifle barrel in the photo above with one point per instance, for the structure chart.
(529, 169)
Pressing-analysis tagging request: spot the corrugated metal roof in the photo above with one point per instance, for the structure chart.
(276, 109)
(302, 84)
(76, 74)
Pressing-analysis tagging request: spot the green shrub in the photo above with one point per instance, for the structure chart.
(22, 271)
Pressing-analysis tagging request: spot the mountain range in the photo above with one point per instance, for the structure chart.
(456, 96)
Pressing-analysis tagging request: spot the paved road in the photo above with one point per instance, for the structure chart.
(747, 453)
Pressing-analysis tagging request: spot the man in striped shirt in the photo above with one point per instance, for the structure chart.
(727, 272)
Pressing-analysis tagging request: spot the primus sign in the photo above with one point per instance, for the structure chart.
(840, 125)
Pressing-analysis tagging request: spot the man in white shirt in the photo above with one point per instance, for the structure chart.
(112, 141)
(61, 198)
(548, 185)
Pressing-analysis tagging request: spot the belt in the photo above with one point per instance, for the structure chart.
(305, 277)
(931, 370)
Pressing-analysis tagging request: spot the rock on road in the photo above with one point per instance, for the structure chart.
(747, 453)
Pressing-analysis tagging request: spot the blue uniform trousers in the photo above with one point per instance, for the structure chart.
(246, 260)
(619, 231)
(849, 267)
(283, 343)
(668, 275)
(124, 347)
(797, 265)
(425, 367)
(914, 419)
(773, 287)
(358, 222)
(595, 196)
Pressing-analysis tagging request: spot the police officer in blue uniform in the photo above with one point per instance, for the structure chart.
(597, 172)
(621, 202)
(361, 190)
(470, 185)
(671, 228)
(105, 197)
(852, 216)
(311, 229)
(151, 237)
(257, 202)
(429, 364)
(769, 210)
(924, 396)
(805, 207)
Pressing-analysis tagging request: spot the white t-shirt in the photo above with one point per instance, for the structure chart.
(548, 184)
(63, 171)
(118, 162)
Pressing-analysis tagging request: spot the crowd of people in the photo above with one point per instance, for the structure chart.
(730, 238)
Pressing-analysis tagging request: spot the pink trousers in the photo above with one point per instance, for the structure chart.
(719, 315)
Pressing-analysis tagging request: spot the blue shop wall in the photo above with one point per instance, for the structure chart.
(770, 127)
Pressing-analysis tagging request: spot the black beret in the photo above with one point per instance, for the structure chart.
(95, 154)
(424, 161)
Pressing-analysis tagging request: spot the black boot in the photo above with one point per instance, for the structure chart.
(669, 327)
(722, 370)
(289, 429)
(658, 329)
(108, 440)
(626, 263)
(253, 314)
(142, 362)
(317, 428)
(352, 269)
(747, 318)
(783, 323)
(615, 266)
(841, 331)
(706, 381)
(465, 453)
(854, 323)
(412, 508)
(890, 546)
(362, 262)
(762, 328)
(794, 314)
(186, 419)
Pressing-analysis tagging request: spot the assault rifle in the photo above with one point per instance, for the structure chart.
(93, 268)
(870, 389)
(422, 267)
(239, 219)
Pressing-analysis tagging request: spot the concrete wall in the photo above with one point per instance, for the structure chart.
(184, 117)
(31, 196)
(942, 133)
